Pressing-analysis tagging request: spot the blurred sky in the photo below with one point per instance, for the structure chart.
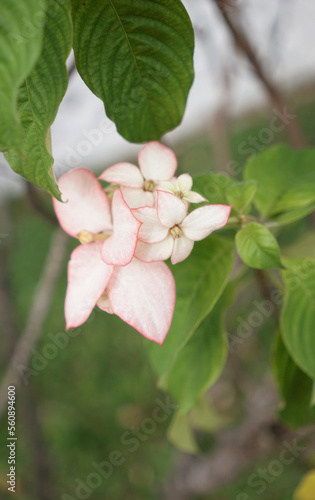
(282, 33)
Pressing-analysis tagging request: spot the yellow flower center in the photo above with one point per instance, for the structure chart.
(148, 186)
(176, 232)
(87, 237)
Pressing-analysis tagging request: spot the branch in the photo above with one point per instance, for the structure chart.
(35, 201)
(40, 307)
(242, 42)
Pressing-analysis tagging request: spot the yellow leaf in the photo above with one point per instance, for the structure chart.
(306, 488)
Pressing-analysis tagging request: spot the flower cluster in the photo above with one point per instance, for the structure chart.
(126, 231)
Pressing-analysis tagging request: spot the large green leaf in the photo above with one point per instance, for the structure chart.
(257, 247)
(200, 281)
(137, 57)
(286, 179)
(39, 98)
(21, 30)
(200, 362)
(240, 195)
(294, 386)
(298, 314)
(213, 187)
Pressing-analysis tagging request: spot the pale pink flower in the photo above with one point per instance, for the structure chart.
(157, 163)
(102, 270)
(181, 187)
(141, 294)
(167, 231)
(86, 215)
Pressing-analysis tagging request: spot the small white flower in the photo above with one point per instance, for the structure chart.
(168, 232)
(157, 164)
(181, 187)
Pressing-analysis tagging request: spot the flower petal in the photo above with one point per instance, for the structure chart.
(151, 231)
(202, 221)
(171, 210)
(157, 162)
(167, 186)
(193, 197)
(184, 183)
(137, 197)
(86, 205)
(182, 248)
(152, 252)
(143, 295)
(119, 248)
(104, 304)
(88, 276)
(123, 174)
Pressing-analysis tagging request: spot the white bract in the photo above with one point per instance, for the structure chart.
(157, 164)
(168, 232)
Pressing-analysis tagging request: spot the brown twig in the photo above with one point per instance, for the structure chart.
(33, 197)
(41, 302)
(242, 42)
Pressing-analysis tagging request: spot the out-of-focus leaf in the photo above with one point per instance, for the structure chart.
(39, 98)
(286, 179)
(298, 313)
(294, 386)
(21, 31)
(199, 363)
(200, 281)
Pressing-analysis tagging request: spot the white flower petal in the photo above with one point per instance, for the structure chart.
(202, 221)
(136, 198)
(151, 252)
(143, 295)
(182, 248)
(184, 183)
(193, 197)
(123, 174)
(86, 205)
(157, 162)
(166, 186)
(151, 231)
(88, 276)
(171, 210)
(119, 248)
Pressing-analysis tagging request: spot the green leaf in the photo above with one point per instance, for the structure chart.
(257, 247)
(298, 313)
(294, 215)
(213, 187)
(181, 435)
(21, 30)
(200, 281)
(294, 386)
(240, 194)
(200, 362)
(286, 179)
(137, 57)
(39, 98)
